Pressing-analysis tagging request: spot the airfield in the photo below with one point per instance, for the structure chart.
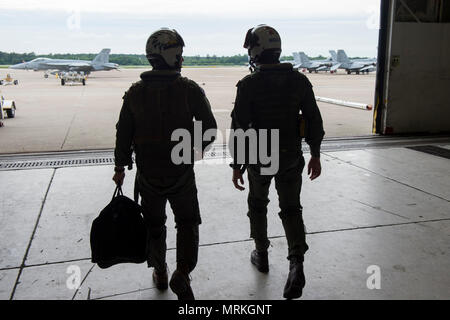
(378, 205)
(51, 117)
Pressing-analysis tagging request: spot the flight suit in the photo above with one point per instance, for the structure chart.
(152, 109)
(272, 98)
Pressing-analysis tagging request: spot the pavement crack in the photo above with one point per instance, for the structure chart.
(53, 262)
(419, 222)
(380, 226)
(84, 279)
(9, 268)
(124, 293)
(388, 178)
(68, 131)
(381, 209)
(333, 231)
(32, 236)
(73, 119)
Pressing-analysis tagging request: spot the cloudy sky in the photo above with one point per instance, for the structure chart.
(207, 26)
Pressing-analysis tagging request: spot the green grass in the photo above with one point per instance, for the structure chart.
(148, 66)
(185, 66)
(133, 67)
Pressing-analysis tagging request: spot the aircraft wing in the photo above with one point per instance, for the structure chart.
(68, 65)
(367, 68)
(335, 67)
(322, 68)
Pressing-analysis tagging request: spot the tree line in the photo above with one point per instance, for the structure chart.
(135, 59)
(124, 59)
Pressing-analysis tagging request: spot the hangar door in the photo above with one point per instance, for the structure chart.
(413, 79)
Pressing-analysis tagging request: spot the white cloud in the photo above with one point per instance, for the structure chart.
(208, 27)
(236, 8)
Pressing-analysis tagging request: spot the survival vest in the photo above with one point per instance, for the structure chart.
(159, 106)
(275, 97)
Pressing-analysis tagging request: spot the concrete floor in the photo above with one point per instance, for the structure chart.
(51, 117)
(384, 207)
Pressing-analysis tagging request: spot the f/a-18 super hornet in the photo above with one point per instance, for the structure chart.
(99, 63)
(357, 66)
(302, 62)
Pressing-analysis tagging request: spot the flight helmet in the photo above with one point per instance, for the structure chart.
(165, 46)
(262, 40)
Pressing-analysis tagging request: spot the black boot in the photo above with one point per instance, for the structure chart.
(260, 259)
(161, 279)
(296, 279)
(181, 285)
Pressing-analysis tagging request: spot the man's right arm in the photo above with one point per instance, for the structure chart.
(202, 112)
(240, 119)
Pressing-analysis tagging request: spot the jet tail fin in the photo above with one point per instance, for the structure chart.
(303, 57)
(297, 59)
(333, 55)
(102, 57)
(342, 57)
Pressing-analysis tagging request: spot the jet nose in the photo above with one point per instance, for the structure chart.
(19, 66)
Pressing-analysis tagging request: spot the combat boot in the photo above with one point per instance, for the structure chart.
(181, 285)
(260, 259)
(296, 279)
(161, 279)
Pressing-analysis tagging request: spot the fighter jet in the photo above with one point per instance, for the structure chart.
(357, 66)
(100, 63)
(333, 55)
(303, 62)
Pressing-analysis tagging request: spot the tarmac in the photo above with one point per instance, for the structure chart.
(377, 220)
(374, 212)
(51, 117)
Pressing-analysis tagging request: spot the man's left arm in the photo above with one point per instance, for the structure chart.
(203, 112)
(314, 130)
(124, 139)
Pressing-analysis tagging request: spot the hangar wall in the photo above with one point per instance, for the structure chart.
(418, 97)
(418, 78)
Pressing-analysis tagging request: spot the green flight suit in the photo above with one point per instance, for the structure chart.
(153, 108)
(272, 98)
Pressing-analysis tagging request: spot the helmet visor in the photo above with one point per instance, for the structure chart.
(248, 39)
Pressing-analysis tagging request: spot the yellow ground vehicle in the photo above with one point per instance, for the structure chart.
(7, 108)
(8, 81)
